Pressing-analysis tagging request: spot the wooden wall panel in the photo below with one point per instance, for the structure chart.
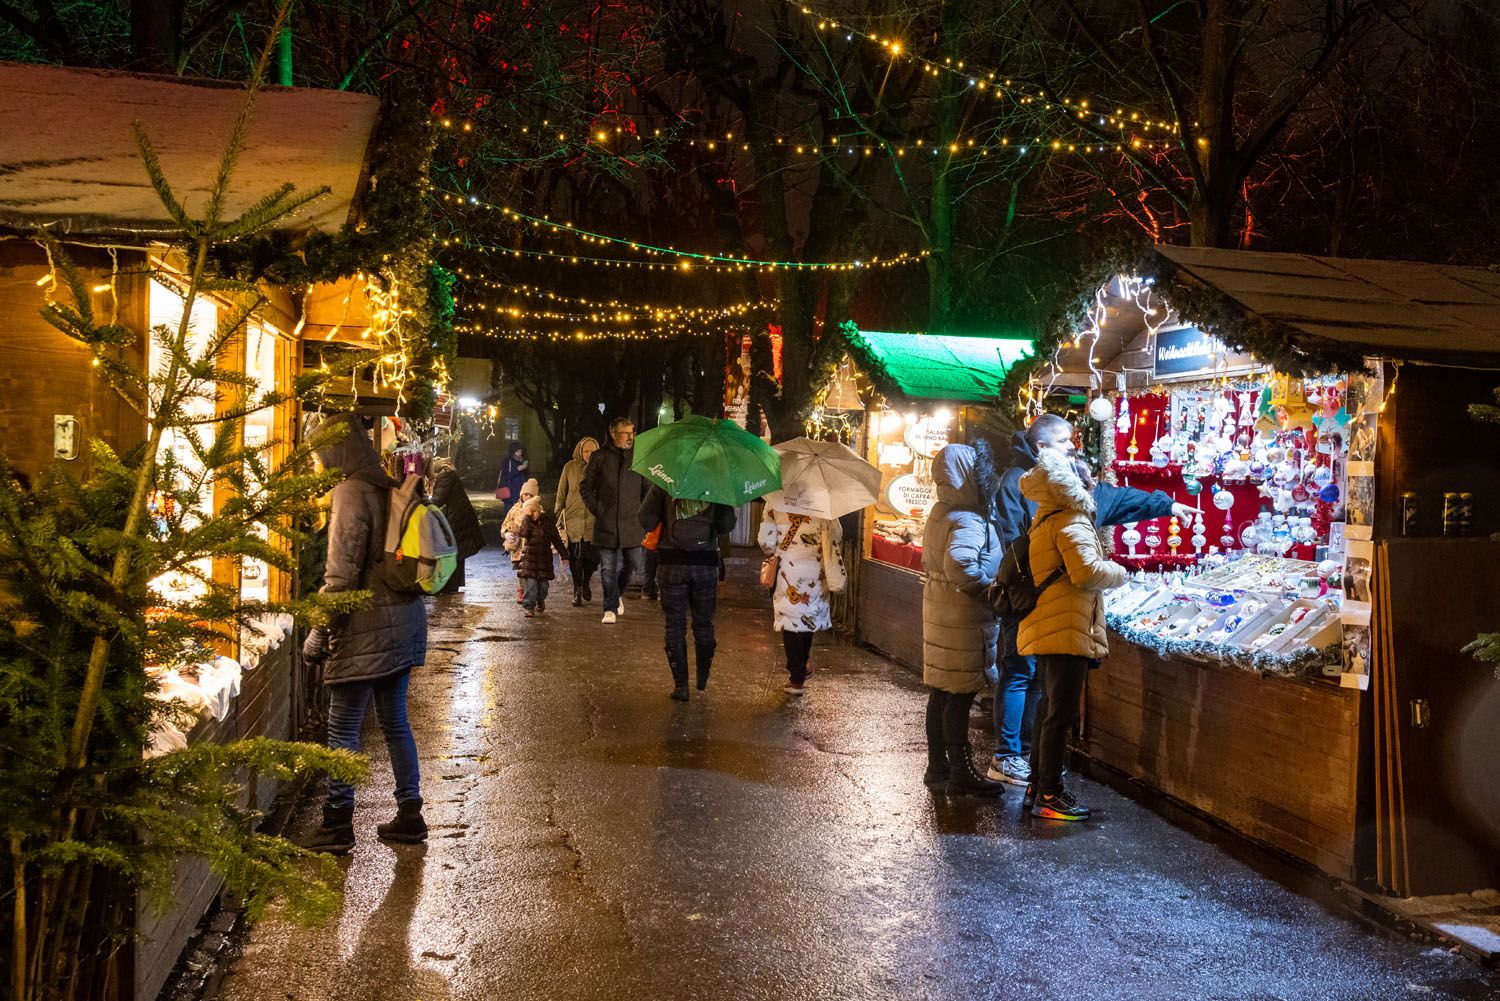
(43, 372)
(1274, 758)
(890, 612)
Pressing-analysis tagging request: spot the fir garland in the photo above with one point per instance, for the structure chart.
(1302, 662)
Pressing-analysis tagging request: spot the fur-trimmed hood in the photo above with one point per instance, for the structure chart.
(965, 476)
(1052, 485)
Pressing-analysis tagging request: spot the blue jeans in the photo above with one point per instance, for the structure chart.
(685, 588)
(536, 592)
(615, 568)
(1016, 698)
(346, 716)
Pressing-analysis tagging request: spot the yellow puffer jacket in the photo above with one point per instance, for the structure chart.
(1069, 615)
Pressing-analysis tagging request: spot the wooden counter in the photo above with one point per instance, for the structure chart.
(1274, 758)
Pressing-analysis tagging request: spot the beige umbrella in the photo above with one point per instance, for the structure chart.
(823, 479)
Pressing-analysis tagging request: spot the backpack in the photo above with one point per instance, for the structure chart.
(693, 534)
(1014, 593)
(420, 551)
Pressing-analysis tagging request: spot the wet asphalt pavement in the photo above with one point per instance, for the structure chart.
(592, 839)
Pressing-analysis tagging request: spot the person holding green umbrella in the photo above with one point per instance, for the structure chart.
(700, 470)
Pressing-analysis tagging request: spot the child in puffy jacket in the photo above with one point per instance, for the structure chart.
(510, 532)
(537, 537)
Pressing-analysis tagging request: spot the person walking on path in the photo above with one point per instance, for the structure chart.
(960, 557)
(688, 577)
(1018, 692)
(577, 522)
(510, 532)
(538, 537)
(370, 652)
(1065, 632)
(808, 569)
(612, 492)
(447, 492)
(514, 472)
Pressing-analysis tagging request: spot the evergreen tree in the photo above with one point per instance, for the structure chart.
(88, 819)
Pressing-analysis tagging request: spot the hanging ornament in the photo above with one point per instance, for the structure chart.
(1223, 499)
(1174, 535)
(1101, 410)
(1131, 538)
(1123, 424)
(1194, 487)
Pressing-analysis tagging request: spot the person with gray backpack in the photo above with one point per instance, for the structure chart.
(381, 539)
(687, 551)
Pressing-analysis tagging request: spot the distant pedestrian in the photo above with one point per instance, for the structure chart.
(613, 492)
(688, 568)
(510, 532)
(960, 556)
(1065, 632)
(538, 537)
(577, 522)
(809, 569)
(514, 471)
(447, 491)
(367, 653)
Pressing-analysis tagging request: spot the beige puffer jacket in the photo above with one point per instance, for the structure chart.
(1069, 615)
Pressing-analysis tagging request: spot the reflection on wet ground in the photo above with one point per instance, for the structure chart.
(592, 839)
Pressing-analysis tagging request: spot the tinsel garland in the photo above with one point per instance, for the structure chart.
(1302, 662)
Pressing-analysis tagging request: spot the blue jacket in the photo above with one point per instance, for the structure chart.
(1114, 505)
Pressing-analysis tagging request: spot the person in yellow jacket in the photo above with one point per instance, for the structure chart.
(1065, 632)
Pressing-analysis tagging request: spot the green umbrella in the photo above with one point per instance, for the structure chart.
(698, 458)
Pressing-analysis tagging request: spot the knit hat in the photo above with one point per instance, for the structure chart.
(531, 488)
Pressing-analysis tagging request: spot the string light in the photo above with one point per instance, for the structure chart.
(697, 312)
(684, 257)
(1078, 113)
(578, 334)
(686, 266)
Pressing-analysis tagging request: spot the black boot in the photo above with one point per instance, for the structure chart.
(588, 592)
(577, 597)
(705, 664)
(407, 826)
(936, 776)
(963, 778)
(677, 661)
(335, 835)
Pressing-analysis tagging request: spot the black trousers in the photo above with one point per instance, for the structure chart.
(684, 590)
(798, 649)
(583, 560)
(1062, 678)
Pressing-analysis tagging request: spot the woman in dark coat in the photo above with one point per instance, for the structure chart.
(447, 492)
(371, 650)
(514, 472)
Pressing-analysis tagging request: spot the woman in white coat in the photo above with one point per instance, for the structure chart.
(808, 570)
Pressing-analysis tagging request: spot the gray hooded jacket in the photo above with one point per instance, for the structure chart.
(960, 556)
(388, 635)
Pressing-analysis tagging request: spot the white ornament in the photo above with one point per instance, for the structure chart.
(1101, 410)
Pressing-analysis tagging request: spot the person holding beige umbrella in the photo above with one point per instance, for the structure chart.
(800, 534)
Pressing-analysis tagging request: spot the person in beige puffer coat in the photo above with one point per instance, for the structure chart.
(1065, 632)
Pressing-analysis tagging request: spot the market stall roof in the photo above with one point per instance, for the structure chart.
(1393, 309)
(950, 367)
(68, 157)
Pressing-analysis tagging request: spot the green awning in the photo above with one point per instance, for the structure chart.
(952, 367)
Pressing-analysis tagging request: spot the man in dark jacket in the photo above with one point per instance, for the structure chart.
(447, 492)
(370, 651)
(1017, 693)
(688, 577)
(612, 493)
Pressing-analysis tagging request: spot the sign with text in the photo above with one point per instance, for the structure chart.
(1189, 351)
(910, 495)
(927, 436)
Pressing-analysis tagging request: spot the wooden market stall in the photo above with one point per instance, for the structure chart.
(901, 398)
(69, 163)
(1289, 661)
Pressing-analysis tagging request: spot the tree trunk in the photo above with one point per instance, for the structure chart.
(155, 28)
(940, 264)
(1212, 212)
